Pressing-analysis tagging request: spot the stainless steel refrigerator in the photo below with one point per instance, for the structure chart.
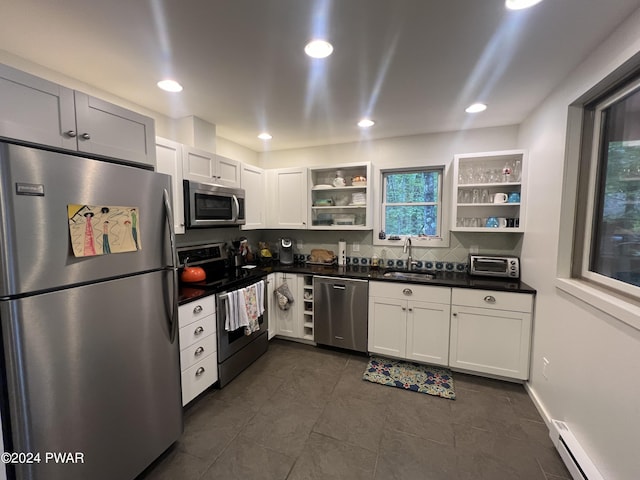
(90, 363)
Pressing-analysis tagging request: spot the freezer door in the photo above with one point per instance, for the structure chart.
(92, 370)
(36, 250)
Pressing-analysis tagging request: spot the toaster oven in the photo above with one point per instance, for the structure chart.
(494, 266)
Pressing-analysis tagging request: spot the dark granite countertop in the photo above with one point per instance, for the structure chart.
(240, 277)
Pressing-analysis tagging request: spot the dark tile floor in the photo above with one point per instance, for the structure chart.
(302, 412)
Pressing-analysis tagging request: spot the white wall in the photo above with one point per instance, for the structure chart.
(410, 150)
(593, 381)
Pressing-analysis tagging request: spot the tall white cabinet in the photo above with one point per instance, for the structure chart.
(169, 161)
(253, 181)
(287, 198)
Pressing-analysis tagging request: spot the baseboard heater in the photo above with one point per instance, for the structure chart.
(575, 458)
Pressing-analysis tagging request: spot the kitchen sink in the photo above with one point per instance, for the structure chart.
(406, 275)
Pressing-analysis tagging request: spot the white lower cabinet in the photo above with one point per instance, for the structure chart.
(198, 347)
(491, 332)
(288, 322)
(409, 321)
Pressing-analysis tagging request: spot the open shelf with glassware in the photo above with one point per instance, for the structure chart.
(489, 192)
(340, 197)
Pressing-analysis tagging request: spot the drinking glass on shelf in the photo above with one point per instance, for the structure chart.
(466, 197)
(475, 196)
(484, 196)
(517, 171)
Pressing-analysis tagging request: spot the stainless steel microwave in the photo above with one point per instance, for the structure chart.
(207, 205)
(494, 266)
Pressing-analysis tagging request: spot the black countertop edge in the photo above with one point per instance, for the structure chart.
(243, 277)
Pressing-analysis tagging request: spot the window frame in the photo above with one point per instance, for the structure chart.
(442, 239)
(594, 115)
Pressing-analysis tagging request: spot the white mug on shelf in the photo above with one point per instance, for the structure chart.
(500, 198)
(502, 222)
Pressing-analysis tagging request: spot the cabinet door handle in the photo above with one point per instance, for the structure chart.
(198, 331)
(407, 291)
(404, 309)
(455, 314)
(197, 309)
(199, 351)
(490, 299)
(71, 133)
(200, 371)
(411, 309)
(86, 136)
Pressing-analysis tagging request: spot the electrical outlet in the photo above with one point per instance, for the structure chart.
(545, 368)
(473, 249)
(356, 247)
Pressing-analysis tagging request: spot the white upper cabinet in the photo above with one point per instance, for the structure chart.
(110, 130)
(206, 167)
(169, 161)
(38, 111)
(489, 193)
(287, 195)
(253, 182)
(227, 171)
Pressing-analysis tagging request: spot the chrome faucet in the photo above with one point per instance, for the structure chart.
(407, 245)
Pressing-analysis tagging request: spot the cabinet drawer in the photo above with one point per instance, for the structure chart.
(196, 352)
(519, 302)
(197, 331)
(197, 378)
(410, 291)
(192, 311)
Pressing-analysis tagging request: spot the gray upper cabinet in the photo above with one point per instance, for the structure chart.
(39, 111)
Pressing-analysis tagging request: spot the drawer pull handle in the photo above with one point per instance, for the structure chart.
(490, 299)
(199, 351)
(200, 371)
(198, 331)
(197, 309)
(407, 291)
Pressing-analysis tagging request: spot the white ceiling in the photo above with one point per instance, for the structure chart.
(411, 65)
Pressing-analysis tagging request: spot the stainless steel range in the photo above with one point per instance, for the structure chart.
(237, 347)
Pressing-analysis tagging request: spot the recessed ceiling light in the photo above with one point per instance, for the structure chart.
(170, 86)
(265, 136)
(520, 4)
(318, 49)
(366, 123)
(475, 108)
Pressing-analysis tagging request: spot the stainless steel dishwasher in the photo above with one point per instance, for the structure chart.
(340, 309)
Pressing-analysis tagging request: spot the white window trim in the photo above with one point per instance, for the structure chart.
(417, 242)
(587, 274)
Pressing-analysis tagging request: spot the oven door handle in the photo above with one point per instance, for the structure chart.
(173, 321)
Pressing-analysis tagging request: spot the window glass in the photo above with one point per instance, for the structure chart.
(412, 202)
(615, 231)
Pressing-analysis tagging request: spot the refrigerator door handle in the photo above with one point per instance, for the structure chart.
(173, 325)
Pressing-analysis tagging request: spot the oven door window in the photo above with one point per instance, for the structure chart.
(490, 265)
(213, 207)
